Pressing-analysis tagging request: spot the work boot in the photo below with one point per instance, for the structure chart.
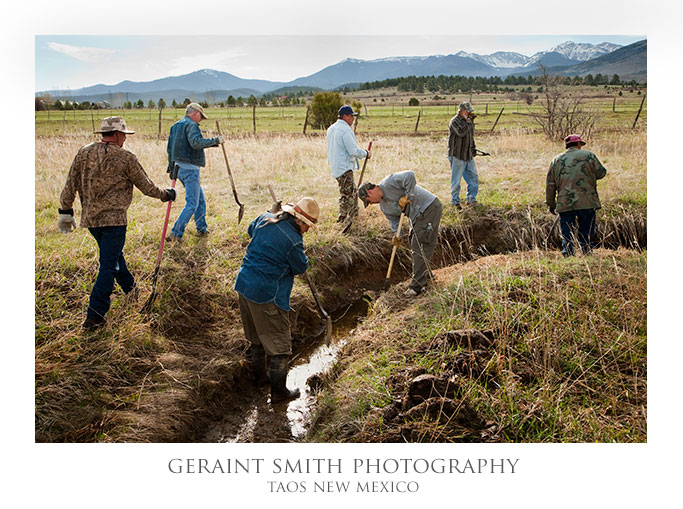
(204, 233)
(279, 365)
(92, 324)
(172, 238)
(257, 359)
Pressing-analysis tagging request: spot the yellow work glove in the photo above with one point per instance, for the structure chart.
(403, 201)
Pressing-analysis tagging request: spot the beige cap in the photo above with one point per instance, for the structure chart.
(113, 124)
(306, 209)
(197, 107)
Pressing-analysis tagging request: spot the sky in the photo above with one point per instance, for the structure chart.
(75, 61)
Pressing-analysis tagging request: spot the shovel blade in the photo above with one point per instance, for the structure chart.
(147, 307)
(240, 214)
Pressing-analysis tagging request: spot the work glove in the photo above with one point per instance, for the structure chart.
(368, 156)
(221, 139)
(403, 201)
(66, 223)
(169, 195)
(396, 241)
(551, 209)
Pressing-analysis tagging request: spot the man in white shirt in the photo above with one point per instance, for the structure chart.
(343, 153)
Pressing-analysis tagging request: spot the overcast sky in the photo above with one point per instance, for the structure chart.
(75, 61)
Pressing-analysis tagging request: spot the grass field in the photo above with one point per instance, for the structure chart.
(376, 117)
(160, 377)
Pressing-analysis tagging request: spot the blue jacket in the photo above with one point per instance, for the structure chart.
(186, 144)
(274, 256)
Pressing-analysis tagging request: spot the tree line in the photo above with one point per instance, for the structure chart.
(460, 84)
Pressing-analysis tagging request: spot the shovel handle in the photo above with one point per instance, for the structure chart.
(393, 251)
(360, 179)
(227, 165)
(163, 232)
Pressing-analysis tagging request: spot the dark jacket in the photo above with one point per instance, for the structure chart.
(186, 144)
(274, 256)
(461, 138)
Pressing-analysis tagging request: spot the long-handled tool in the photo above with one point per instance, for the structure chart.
(328, 333)
(550, 232)
(323, 313)
(393, 251)
(147, 307)
(360, 181)
(232, 182)
(481, 152)
(365, 162)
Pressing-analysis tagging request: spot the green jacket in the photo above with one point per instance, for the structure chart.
(572, 178)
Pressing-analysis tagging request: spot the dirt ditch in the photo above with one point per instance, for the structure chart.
(348, 285)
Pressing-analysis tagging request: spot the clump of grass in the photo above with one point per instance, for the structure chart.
(567, 361)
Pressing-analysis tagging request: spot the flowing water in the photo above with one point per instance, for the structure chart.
(258, 421)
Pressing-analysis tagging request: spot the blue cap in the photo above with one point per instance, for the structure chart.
(346, 110)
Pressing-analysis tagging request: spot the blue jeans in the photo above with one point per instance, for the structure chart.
(110, 240)
(586, 228)
(195, 205)
(463, 169)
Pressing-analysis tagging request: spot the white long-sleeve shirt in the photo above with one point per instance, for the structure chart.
(343, 151)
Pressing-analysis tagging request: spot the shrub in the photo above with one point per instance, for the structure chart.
(324, 108)
(413, 102)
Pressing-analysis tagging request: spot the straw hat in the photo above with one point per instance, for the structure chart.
(306, 210)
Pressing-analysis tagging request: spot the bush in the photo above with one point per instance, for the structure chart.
(413, 102)
(324, 109)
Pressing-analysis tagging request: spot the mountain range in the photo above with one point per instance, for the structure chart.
(568, 58)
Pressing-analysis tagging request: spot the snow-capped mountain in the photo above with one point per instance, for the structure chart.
(578, 52)
(500, 59)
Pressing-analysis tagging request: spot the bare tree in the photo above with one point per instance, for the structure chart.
(563, 113)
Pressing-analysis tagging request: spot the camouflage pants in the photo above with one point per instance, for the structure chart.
(348, 199)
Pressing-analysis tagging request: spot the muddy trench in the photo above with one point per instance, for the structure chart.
(347, 289)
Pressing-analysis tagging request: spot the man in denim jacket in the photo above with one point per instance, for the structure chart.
(264, 283)
(186, 151)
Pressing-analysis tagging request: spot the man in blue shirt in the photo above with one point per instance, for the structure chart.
(398, 193)
(186, 152)
(264, 283)
(343, 153)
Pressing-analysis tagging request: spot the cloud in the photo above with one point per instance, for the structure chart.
(83, 53)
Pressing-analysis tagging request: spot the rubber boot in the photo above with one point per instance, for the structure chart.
(279, 365)
(257, 359)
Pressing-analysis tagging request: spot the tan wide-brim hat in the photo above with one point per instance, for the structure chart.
(196, 107)
(306, 210)
(113, 124)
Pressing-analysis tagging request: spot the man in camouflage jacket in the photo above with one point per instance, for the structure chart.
(571, 189)
(103, 174)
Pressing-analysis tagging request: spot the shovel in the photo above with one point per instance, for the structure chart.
(147, 307)
(323, 313)
(393, 251)
(232, 182)
(328, 333)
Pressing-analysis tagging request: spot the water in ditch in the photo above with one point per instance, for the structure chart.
(259, 421)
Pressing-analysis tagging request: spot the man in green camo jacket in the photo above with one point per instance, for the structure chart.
(571, 189)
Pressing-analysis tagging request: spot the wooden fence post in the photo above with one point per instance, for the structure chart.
(159, 130)
(496, 122)
(254, 118)
(92, 119)
(614, 104)
(487, 109)
(419, 113)
(639, 110)
(308, 109)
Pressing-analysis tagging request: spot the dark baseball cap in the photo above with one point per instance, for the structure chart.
(363, 192)
(347, 110)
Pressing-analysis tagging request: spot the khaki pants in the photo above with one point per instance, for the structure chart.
(267, 325)
(423, 237)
